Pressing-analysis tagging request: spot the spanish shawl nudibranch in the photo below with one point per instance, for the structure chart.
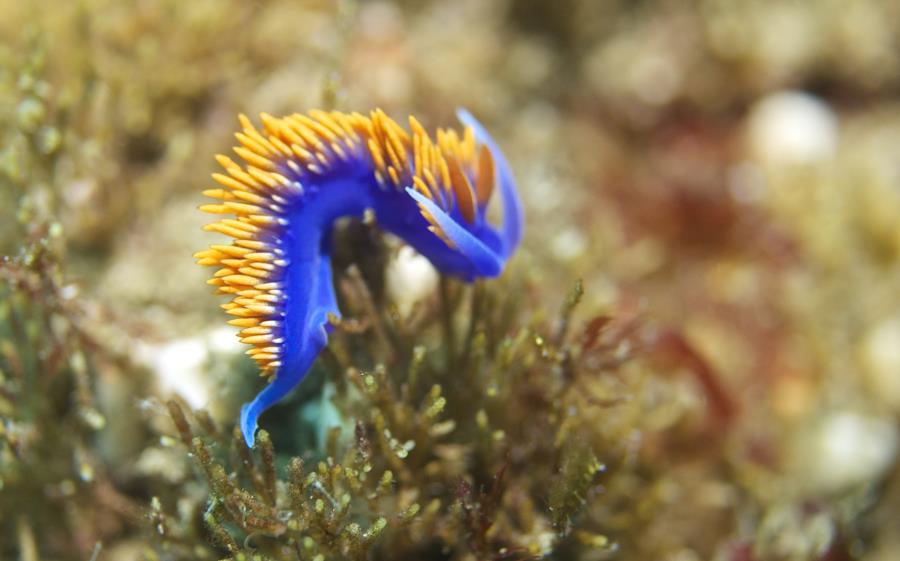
(303, 172)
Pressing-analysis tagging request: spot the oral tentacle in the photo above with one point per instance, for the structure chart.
(485, 262)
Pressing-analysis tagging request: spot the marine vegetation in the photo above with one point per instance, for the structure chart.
(491, 449)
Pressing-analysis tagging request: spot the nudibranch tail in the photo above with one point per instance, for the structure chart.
(302, 172)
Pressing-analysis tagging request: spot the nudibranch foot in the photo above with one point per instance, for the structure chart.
(303, 172)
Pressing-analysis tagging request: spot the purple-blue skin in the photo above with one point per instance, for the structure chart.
(477, 250)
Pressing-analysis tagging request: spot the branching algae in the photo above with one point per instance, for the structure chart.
(304, 172)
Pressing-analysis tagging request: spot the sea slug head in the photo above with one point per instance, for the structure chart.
(452, 180)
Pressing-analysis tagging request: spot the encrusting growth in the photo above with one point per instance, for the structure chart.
(300, 174)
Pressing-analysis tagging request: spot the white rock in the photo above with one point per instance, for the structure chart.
(848, 448)
(410, 278)
(180, 368)
(880, 357)
(224, 340)
(569, 243)
(792, 127)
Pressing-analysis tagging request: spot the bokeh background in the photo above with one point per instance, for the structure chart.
(727, 170)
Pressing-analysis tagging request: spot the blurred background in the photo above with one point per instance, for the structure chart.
(728, 170)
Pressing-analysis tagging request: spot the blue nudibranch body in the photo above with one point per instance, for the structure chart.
(300, 174)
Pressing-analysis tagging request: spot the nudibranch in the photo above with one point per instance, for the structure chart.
(300, 173)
